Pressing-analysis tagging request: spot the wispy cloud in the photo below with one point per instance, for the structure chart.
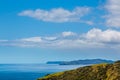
(3, 40)
(95, 38)
(58, 14)
(113, 17)
(32, 39)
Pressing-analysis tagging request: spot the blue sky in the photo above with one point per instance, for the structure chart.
(40, 31)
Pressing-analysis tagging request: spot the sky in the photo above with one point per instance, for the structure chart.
(37, 31)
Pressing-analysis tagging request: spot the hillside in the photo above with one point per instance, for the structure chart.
(94, 72)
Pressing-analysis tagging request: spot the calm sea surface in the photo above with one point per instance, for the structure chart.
(30, 71)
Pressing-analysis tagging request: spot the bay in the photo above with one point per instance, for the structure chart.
(30, 71)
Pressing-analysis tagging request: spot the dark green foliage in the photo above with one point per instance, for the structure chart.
(94, 72)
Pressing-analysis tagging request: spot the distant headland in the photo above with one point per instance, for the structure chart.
(81, 62)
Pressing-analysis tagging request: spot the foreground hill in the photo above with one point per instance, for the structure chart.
(94, 72)
(81, 62)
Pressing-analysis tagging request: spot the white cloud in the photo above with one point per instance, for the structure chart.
(113, 17)
(68, 33)
(107, 36)
(32, 39)
(57, 14)
(95, 38)
(50, 38)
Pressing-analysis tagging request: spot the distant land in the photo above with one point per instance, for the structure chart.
(81, 62)
(102, 71)
(55, 62)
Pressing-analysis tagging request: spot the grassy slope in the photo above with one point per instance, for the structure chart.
(94, 72)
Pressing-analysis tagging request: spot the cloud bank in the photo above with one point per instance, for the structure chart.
(95, 38)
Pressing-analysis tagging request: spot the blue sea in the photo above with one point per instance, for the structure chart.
(30, 71)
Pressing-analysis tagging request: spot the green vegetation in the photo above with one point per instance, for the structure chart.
(95, 72)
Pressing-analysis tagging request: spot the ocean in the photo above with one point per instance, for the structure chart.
(30, 71)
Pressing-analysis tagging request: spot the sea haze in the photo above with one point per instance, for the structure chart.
(30, 71)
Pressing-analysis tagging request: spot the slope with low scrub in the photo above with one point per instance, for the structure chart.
(95, 72)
